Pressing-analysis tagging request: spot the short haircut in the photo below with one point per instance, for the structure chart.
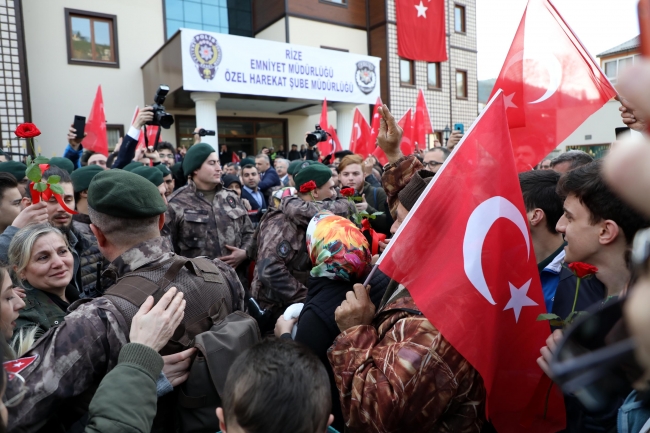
(263, 156)
(577, 158)
(231, 164)
(445, 152)
(248, 166)
(85, 156)
(294, 145)
(7, 181)
(53, 171)
(349, 160)
(586, 183)
(125, 231)
(334, 166)
(166, 145)
(283, 161)
(277, 386)
(539, 188)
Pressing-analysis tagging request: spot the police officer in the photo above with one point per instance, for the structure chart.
(206, 219)
(283, 265)
(127, 213)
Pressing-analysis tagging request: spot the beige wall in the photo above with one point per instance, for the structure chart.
(274, 32)
(59, 91)
(600, 126)
(315, 34)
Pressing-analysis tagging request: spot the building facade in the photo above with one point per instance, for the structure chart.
(56, 53)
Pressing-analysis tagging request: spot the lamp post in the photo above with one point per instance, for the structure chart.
(446, 133)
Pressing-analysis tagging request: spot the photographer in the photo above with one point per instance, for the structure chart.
(310, 150)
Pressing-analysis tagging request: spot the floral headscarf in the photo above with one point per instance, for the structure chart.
(337, 248)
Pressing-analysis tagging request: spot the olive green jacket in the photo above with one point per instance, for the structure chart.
(41, 311)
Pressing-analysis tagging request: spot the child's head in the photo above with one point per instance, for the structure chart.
(276, 386)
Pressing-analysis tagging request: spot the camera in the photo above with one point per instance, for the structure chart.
(317, 136)
(160, 116)
(203, 132)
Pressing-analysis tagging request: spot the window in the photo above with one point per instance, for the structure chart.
(219, 16)
(92, 38)
(459, 18)
(115, 132)
(406, 72)
(461, 84)
(339, 2)
(433, 76)
(614, 67)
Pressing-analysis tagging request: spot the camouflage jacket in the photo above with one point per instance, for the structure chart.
(283, 265)
(90, 262)
(396, 176)
(74, 356)
(401, 375)
(198, 228)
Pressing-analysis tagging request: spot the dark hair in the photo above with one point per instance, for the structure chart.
(166, 145)
(110, 160)
(294, 145)
(586, 183)
(334, 166)
(52, 171)
(248, 166)
(86, 156)
(7, 181)
(539, 190)
(577, 158)
(277, 386)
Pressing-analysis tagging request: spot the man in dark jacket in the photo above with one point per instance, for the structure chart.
(294, 153)
(252, 193)
(268, 176)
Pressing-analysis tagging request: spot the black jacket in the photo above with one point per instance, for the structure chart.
(294, 154)
(254, 216)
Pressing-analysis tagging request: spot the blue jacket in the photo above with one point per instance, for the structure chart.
(550, 277)
(269, 179)
(634, 415)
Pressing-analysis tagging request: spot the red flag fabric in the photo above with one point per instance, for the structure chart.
(235, 157)
(421, 123)
(477, 279)
(334, 143)
(324, 147)
(421, 30)
(375, 122)
(360, 134)
(380, 155)
(550, 82)
(407, 146)
(96, 136)
(152, 132)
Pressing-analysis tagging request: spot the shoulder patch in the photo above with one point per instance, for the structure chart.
(283, 249)
(18, 365)
(231, 201)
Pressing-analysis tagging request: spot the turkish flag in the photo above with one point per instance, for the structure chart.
(421, 30)
(407, 145)
(16, 366)
(550, 82)
(421, 123)
(476, 277)
(335, 144)
(375, 123)
(360, 134)
(96, 136)
(324, 147)
(152, 132)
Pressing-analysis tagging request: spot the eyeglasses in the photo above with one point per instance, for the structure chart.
(432, 164)
(166, 155)
(20, 394)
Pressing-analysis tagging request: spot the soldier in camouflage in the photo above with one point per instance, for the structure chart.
(283, 265)
(127, 213)
(206, 219)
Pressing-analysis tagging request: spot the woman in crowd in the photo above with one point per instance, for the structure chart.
(10, 306)
(42, 261)
(340, 256)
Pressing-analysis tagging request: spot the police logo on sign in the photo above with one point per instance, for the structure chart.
(206, 54)
(366, 77)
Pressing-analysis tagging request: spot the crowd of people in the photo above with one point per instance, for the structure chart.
(128, 314)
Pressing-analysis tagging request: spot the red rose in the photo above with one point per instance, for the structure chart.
(307, 187)
(582, 270)
(27, 130)
(347, 192)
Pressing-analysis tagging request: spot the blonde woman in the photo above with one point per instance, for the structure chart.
(42, 261)
(10, 306)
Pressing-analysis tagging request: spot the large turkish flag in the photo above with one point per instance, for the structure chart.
(360, 135)
(96, 135)
(476, 278)
(407, 145)
(421, 123)
(550, 82)
(421, 30)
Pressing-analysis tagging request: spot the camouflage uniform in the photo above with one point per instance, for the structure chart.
(283, 265)
(74, 356)
(198, 228)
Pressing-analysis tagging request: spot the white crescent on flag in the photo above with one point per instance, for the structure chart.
(553, 66)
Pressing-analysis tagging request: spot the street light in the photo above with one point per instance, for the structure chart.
(446, 132)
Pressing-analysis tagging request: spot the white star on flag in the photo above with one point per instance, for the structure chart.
(18, 364)
(422, 10)
(519, 299)
(508, 100)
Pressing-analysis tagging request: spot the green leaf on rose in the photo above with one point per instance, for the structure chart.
(40, 186)
(377, 213)
(559, 323)
(41, 160)
(33, 173)
(54, 179)
(57, 189)
(548, 316)
(29, 159)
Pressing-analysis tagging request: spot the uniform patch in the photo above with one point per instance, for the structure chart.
(231, 202)
(14, 367)
(283, 249)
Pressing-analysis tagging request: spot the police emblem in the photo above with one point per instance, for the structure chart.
(283, 249)
(231, 202)
(206, 54)
(366, 77)
(304, 164)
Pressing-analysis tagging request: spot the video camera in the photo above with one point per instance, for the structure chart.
(160, 116)
(317, 136)
(203, 132)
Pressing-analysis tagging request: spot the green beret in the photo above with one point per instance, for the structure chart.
(81, 177)
(163, 169)
(246, 161)
(133, 164)
(152, 174)
(123, 194)
(196, 156)
(299, 164)
(14, 167)
(63, 163)
(317, 172)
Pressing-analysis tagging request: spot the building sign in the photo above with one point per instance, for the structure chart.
(215, 62)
